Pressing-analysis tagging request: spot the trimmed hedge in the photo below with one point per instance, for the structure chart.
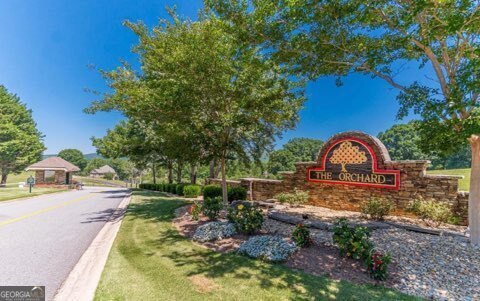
(237, 193)
(162, 187)
(192, 191)
(179, 188)
(150, 186)
(212, 191)
(209, 191)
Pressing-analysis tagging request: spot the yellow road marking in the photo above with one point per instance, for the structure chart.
(13, 220)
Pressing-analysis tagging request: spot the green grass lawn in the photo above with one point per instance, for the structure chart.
(150, 260)
(463, 184)
(14, 179)
(12, 191)
(98, 182)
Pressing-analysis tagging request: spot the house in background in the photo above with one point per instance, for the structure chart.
(53, 170)
(102, 171)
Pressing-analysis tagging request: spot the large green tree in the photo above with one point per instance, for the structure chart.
(20, 142)
(197, 76)
(74, 156)
(403, 143)
(339, 37)
(295, 150)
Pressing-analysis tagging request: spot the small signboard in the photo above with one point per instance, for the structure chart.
(31, 180)
(352, 161)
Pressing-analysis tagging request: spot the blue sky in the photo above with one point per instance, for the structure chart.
(46, 47)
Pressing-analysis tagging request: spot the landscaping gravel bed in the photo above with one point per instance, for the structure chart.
(437, 267)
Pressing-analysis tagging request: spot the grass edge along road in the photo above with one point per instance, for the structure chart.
(150, 260)
(13, 192)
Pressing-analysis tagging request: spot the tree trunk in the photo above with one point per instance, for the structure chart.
(212, 169)
(474, 197)
(193, 173)
(179, 172)
(4, 179)
(154, 171)
(224, 182)
(170, 172)
(217, 171)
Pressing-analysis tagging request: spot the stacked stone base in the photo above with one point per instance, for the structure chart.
(415, 183)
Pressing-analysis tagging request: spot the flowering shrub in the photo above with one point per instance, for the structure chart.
(211, 207)
(296, 198)
(301, 236)
(355, 242)
(246, 218)
(268, 248)
(195, 211)
(214, 231)
(352, 241)
(377, 208)
(432, 212)
(377, 264)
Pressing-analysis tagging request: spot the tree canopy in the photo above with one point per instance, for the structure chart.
(206, 89)
(403, 143)
(20, 142)
(377, 38)
(74, 156)
(295, 150)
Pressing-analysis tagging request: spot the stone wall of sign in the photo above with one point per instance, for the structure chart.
(349, 172)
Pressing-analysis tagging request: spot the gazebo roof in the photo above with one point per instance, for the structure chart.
(53, 163)
(104, 169)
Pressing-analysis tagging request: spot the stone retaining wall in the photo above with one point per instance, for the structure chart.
(414, 183)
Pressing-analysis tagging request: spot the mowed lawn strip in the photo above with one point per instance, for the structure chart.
(150, 260)
(12, 191)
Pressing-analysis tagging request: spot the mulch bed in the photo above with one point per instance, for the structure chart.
(317, 260)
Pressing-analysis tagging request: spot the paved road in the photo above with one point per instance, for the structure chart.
(42, 238)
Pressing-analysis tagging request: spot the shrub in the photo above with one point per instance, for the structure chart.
(268, 248)
(211, 207)
(179, 188)
(377, 208)
(191, 191)
(214, 231)
(195, 211)
(172, 188)
(108, 176)
(377, 264)
(237, 193)
(212, 191)
(352, 241)
(293, 198)
(433, 213)
(301, 236)
(246, 218)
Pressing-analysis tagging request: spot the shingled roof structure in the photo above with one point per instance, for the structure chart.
(104, 169)
(54, 163)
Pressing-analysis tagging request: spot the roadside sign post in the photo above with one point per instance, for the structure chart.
(30, 182)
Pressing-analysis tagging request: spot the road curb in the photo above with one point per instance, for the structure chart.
(82, 281)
